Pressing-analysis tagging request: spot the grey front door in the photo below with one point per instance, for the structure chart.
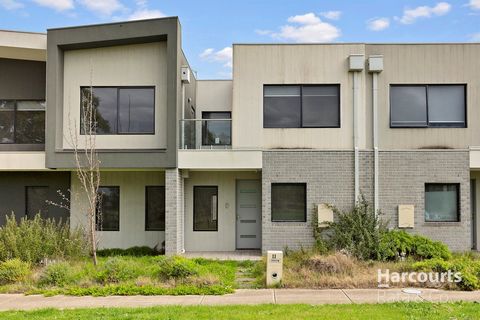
(249, 214)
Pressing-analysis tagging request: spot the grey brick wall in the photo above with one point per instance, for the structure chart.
(174, 212)
(330, 179)
(402, 179)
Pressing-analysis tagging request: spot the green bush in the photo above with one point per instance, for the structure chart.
(396, 243)
(57, 274)
(133, 252)
(357, 232)
(468, 268)
(115, 270)
(13, 270)
(32, 240)
(177, 268)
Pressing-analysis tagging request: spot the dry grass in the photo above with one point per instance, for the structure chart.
(309, 270)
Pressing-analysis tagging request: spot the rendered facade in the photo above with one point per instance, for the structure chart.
(224, 165)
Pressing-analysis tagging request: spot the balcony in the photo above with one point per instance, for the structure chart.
(205, 134)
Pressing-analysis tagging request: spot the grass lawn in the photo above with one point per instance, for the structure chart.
(366, 311)
(127, 275)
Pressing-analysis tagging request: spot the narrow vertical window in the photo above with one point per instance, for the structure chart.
(108, 209)
(205, 208)
(155, 208)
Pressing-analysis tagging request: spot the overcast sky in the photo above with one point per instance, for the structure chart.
(211, 26)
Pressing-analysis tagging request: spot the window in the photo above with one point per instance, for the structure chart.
(108, 209)
(155, 208)
(216, 132)
(36, 201)
(427, 106)
(442, 202)
(205, 208)
(121, 110)
(22, 122)
(289, 202)
(303, 106)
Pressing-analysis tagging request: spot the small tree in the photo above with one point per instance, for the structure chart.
(87, 163)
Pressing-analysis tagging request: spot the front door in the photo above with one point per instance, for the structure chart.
(249, 214)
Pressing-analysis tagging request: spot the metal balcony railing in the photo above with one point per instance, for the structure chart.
(205, 134)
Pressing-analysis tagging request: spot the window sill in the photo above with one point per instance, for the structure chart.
(442, 224)
(22, 147)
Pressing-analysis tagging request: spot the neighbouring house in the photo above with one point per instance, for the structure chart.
(221, 165)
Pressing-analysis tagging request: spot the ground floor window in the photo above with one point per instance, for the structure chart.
(289, 202)
(108, 209)
(205, 208)
(155, 208)
(442, 202)
(36, 200)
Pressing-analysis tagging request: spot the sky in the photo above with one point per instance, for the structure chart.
(209, 27)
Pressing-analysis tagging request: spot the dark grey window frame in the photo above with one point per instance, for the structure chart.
(27, 215)
(36, 146)
(301, 104)
(97, 225)
(458, 202)
(304, 200)
(117, 133)
(147, 228)
(194, 213)
(204, 128)
(426, 86)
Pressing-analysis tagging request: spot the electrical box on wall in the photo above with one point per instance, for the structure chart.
(324, 214)
(274, 267)
(406, 216)
(185, 74)
(375, 63)
(356, 62)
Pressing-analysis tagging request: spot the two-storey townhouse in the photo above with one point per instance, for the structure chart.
(223, 165)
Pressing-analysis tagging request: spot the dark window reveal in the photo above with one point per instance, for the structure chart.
(427, 106)
(155, 208)
(22, 121)
(121, 110)
(302, 106)
(36, 201)
(108, 209)
(205, 208)
(289, 202)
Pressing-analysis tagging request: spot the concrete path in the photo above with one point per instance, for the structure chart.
(246, 296)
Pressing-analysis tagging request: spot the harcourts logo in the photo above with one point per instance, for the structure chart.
(385, 278)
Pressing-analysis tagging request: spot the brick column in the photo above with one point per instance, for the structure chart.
(174, 214)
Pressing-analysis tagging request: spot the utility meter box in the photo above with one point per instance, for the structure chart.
(406, 216)
(324, 214)
(274, 267)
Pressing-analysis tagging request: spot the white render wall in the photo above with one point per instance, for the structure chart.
(132, 208)
(128, 65)
(224, 238)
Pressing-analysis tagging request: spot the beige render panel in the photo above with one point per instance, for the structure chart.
(220, 159)
(132, 208)
(223, 239)
(427, 64)
(129, 65)
(23, 45)
(22, 160)
(214, 95)
(256, 65)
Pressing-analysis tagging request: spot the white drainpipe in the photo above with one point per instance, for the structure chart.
(375, 66)
(356, 65)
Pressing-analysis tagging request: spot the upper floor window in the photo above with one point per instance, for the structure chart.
(217, 128)
(121, 110)
(427, 106)
(301, 106)
(22, 121)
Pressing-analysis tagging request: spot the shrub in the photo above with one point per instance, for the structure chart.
(57, 274)
(177, 268)
(133, 252)
(32, 240)
(13, 270)
(468, 268)
(357, 232)
(115, 270)
(396, 243)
